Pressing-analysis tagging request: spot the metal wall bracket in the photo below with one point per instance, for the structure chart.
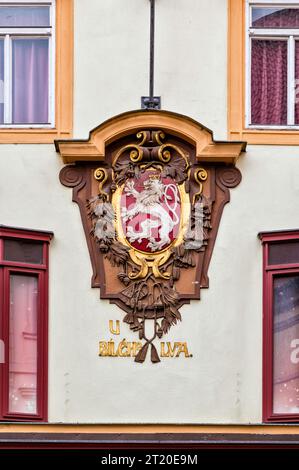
(148, 102)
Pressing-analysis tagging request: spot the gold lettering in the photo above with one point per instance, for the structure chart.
(163, 353)
(123, 345)
(103, 348)
(116, 330)
(170, 350)
(111, 349)
(124, 349)
(167, 350)
(181, 348)
(136, 346)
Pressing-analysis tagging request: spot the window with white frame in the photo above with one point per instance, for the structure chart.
(27, 44)
(272, 56)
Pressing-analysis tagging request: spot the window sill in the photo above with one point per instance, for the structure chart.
(32, 135)
(266, 136)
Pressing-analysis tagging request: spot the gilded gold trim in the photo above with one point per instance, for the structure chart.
(150, 260)
(199, 175)
(159, 136)
(165, 156)
(144, 259)
(141, 135)
(136, 153)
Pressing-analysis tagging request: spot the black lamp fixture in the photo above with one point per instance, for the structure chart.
(151, 101)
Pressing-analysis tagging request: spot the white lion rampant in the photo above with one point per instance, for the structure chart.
(148, 202)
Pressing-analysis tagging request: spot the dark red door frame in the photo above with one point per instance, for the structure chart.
(269, 273)
(41, 272)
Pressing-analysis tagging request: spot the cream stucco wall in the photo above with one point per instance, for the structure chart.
(221, 383)
(112, 59)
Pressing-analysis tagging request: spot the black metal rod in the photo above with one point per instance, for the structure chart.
(152, 51)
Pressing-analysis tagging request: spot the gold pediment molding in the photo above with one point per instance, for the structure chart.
(93, 148)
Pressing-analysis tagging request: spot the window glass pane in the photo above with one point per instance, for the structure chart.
(23, 344)
(284, 253)
(1, 81)
(18, 16)
(30, 81)
(269, 82)
(23, 251)
(275, 17)
(286, 345)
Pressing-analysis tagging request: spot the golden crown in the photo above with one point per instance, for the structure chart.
(154, 177)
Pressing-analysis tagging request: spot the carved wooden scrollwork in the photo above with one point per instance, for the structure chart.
(151, 212)
(229, 177)
(70, 176)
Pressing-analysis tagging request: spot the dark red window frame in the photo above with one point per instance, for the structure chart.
(41, 271)
(270, 271)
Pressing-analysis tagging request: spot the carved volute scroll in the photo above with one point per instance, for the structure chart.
(151, 209)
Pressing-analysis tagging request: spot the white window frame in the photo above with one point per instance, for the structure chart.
(290, 35)
(9, 33)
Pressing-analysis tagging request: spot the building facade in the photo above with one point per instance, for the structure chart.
(72, 76)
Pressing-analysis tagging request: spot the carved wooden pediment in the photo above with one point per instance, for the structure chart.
(151, 187)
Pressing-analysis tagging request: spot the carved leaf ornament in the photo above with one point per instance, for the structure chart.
(151, 213)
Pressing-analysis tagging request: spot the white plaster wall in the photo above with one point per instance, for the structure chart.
(112, 59)
(222, 383)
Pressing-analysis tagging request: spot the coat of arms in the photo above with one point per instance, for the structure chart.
(151, 212)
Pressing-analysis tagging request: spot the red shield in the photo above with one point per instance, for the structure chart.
(150, 211)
